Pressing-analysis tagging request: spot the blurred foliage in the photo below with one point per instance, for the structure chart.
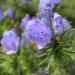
(19, 9)
(68, 9)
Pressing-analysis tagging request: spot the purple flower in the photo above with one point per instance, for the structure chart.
(10, 42)
(57, 24)
(45, 16)
(24, 22)
(24, 39)
(38, 33)
(43, 4)
(1, 13)
(10, 13)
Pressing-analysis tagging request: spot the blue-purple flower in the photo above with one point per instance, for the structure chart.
(45, 16)
(43, 4)
(1, 13)
(24, 22)
(24, 39)
(10, 42)
(38, 33)
(58, 24)
(10, 13)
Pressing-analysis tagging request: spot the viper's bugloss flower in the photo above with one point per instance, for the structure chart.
(10, 42)
(45, 16)
(58, 24)
(1, 14)
(38, 33)
(24, 39)
(43, 4)
(10, 13)
(24, 22)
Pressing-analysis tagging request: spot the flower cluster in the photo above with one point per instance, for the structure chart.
(41, 29)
